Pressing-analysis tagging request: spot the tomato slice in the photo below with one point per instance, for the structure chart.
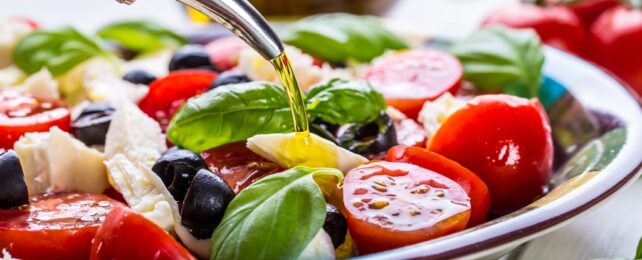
(408, 79)
(55, 226)
(506, 141)
(473, 185)
(224, 52)
(22, 113)
(410, 133)
(126, 234)
(168, 94)
(392, 204)
(238, 165)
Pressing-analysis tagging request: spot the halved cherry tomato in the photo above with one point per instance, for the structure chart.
(391, 204)
(168, 94)
(126, 234)
(22, 113)
(410, 133)
(238, 165)
(58, 226)
(408, 79)
(506, 141)
(473, 185)
(224, 52)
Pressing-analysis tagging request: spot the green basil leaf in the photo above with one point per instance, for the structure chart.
(275, 217)
(340, 101)
(57, 50)
(337, 38)
(141, 36)
(230, 113)
(503, 58)
(638, 252)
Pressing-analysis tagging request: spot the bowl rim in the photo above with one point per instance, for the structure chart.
(530, 222)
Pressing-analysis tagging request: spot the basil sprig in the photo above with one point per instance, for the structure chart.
(236, 112)
(141, 36)
(276, 217)
(501, 58)
(58, 50)
(337, 38)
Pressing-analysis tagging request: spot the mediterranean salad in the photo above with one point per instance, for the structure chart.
(137, 142)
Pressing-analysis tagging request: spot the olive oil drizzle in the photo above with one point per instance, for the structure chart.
(295, 98)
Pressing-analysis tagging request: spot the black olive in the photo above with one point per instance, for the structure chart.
(371, 138)
(176, 168)
(13, 189)
(324, 129)
(92, 124)
(229, 77)
(191, 57)
(139, 77)
(335, 225)
(205, 203)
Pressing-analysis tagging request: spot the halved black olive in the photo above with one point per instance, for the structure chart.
(139, 77)
(324, 129)
(335, 225)
(371, 138)
(191, 57)
(176, 168)
(92, 124)
(13, 189)
(229, 77)
(205, 203)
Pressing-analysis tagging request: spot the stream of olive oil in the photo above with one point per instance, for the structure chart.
(295, 98)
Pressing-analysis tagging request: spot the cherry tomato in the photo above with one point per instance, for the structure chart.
(473, 185)
(22, 113)
(390, 205)
(506, 141)
(615, 44)
(32, 23)
(589, 10)
(224, 52)
(168, 94)
(408, 79)
(557, 26)
(126, 234)
(114, 194)
(238, 165)
(55, 226)
(410, 133)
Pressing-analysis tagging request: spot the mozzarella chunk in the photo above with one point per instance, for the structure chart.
(319, 248)
(290, 150)
(34, 159)
(11, 31)
(434, 113)
(41, 84)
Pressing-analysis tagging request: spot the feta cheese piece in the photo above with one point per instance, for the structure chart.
(72, 83)
(434, 113)
(10, 76)
(319, 248)
(11, 31)
(109, 89)
(154, 63)
(41, 84)
(34, 159)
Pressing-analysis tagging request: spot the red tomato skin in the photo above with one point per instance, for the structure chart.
(126, 234)
(615, 44)
(472, 184)
(589, 10)
(557, 26)
(224, 52)
(506, 141)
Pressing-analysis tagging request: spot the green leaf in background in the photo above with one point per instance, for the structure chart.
(638, 252)
(340, 101)
(141, 36)
(58, 50)
(339, 37)
(276, 217)
(230, 113)
(502, 58)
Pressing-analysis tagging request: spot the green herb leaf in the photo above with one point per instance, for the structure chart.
(502, 58)
(230, 113)
(337, 38)
(276, 217)
(141, 36)
(638, 252)
(341, 101)
(57, 50)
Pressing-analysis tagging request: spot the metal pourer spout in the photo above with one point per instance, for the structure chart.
(242, 19)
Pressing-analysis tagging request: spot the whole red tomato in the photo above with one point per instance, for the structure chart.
(557, 26)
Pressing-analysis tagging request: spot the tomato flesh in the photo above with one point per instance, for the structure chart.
(56, 226)
(410, 133)
(390, 205)
(408, 79)
(126, 234)
(506, 141)
(22, 113)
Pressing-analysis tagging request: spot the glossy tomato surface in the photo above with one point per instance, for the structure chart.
(166, 95)
(126, 234)
(589, 10)
(22, 113)
(557, 26)
(471, 183)
(238, 165)
(506, 141)
(58, 226)
(407, 79)
(390, 205)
